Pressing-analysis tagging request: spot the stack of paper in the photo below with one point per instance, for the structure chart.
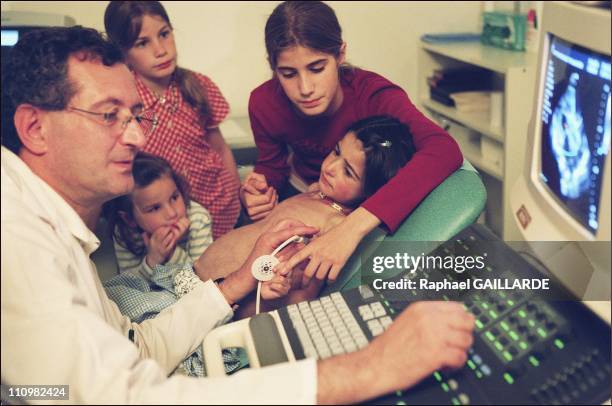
(472, 101)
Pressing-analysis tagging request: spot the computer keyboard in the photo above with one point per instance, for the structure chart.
(326, 327)
(527, 349)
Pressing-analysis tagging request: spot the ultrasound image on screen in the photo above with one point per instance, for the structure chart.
(576, 128)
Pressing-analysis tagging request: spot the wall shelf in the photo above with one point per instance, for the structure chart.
(496, 151)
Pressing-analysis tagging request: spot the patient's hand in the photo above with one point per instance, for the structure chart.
(327, 254)
(283, 281)
(278, 286)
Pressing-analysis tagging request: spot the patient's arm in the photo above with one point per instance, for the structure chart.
(228, 252)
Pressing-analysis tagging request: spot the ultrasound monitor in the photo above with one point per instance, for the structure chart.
(575, 128)
(564, 192)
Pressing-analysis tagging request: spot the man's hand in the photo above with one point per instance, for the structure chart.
(240, 283)
(426, 337)
(160, 245)
(257, 197)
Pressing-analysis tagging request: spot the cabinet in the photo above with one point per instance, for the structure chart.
(497, 151)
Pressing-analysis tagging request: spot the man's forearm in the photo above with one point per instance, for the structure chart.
(347, 379)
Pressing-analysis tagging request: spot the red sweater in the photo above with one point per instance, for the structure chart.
(276, 126)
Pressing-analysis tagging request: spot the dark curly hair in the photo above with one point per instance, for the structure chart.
(388, 146)
(36, 71)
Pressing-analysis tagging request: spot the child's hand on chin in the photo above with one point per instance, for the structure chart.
(179, 229)
(160, 245)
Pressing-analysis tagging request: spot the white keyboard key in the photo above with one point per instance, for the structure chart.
(328, 332)
(346, 340)
(375, 327)
(361, 342)
(366, 312)
(377, 331)
(378, 309)
(311, 352)
(386, 321)
(350, 347)
(325, 354)
(337, 349)
(365, 292)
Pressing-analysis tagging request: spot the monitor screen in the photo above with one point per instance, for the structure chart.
(575, 128)
(9, 37)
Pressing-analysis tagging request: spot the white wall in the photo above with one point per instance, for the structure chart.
(225, 40)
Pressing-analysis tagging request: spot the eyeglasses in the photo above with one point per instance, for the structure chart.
(146, 119)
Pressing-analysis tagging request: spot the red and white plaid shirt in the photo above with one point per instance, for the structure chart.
(180, 139)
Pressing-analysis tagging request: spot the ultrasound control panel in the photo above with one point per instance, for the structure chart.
(528, 349)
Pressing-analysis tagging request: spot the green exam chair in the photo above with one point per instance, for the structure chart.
(449, 208)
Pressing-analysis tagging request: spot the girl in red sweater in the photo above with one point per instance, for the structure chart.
(299, 116)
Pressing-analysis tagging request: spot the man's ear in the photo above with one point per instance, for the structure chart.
(30, 128)
(342, 55)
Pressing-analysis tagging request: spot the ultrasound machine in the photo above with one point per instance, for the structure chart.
(529, 347)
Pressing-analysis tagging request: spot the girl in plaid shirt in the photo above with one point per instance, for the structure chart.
(188, 106)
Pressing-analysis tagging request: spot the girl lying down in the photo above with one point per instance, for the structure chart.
(367, 157)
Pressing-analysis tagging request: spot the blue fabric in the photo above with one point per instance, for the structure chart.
(140, 299)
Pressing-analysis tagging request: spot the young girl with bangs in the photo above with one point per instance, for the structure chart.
(188, 107)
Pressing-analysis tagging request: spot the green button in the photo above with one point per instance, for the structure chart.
(455, 401)
(522, 313)
(523, 345)
(398, 393)
(499, 346)
(490, 336)
(471, 364)
(514, 336)
(391, 311)
(531, 323)
(560, 345)
(485, 305)
(438, 376)
(510, 302)
(445, 387)
(493, 314)
(504, 326)
(479, 374)
(502, 295)
(489, 269)
(534, 361)
(509, 378)
(479, 323)
(541, 332)
(507, 356)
